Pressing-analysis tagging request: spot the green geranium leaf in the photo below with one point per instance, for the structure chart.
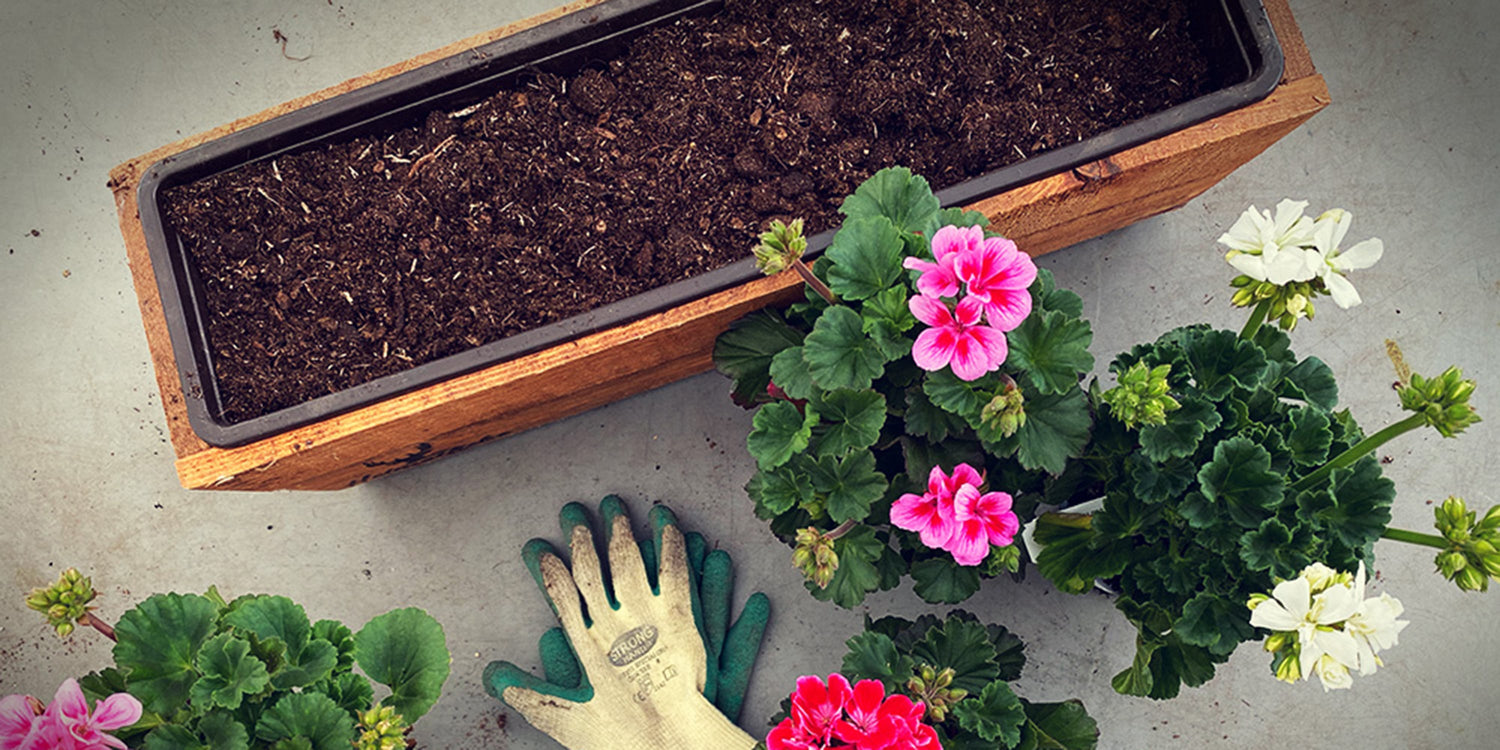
(1199, 511)
(1159, 482)
(1276, 549)
(1309, 435)
(941, 580)
(963, 645)
(866, 258)
(342, 639)
(996, 714)
(1064, 557)
(352, 692)
(1046, 296)
(1184, 429)
(851, 484)
(851, 420)
(1059, 726)
(886, 317)
(963, 398)
(1356, 506)
(307, 659)
(405, 650)
(229, 673)
(839, 354)
(173, 737)
(924, 418)
(1056, 429)
(220, 731)
(744, 352)
(1137, 679)
(1240, 480)
(873, 656)
(954, 217)
(789, 373)
(100, 685)
(1313, 382)
(1053, 350)
(1212, 622)
(857, 575)
(896, 194)
(780, 430)
(779, 490)
(313, 717)
(1222, 361)
(157, 647)
(1010, 652)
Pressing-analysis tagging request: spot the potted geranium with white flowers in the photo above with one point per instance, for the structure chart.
(1222, 475)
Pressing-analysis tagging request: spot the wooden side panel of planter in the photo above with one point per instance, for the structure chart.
(430, 423)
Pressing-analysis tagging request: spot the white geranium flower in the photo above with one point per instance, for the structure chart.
(1273, 249)
(1293, 607)
(1321, 576)
(1333, 264)
(1373, 625)
(1334, 674)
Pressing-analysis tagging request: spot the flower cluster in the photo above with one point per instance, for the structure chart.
(1471, 553)
(1288, 259)
(66, 724)
(993, 276)
(954, 515)
(1322, 622)
(862, 717)
(65, 602)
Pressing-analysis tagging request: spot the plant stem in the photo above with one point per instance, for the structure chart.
(94, 622)
(1257, 318)
(1358, 451)
(840, 530)
(1413, 537)
(1070, 520)
(813, 281)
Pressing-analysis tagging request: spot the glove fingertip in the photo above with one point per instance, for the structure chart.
(572, 515)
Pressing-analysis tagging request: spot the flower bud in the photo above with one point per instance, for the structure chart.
(1491, 565)
(1290, 669)
(815, 557)
(1450, 563)
(1280, 640)
(1472, 579)
(779, 247)
(1007, 411)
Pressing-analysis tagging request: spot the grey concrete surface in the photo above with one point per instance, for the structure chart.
(86, 474)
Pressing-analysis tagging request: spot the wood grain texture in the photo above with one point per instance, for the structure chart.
(571, 378)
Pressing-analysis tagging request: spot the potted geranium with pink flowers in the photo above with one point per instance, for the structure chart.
(910, 406)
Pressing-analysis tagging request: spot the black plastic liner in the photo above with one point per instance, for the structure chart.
(1237, 33)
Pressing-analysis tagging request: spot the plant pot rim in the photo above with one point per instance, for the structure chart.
(555, 42)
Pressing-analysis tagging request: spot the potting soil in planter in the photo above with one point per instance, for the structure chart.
(328, 268)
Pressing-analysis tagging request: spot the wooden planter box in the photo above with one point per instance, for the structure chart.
(600, 368)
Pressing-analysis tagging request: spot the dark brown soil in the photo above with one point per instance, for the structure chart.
(331, 267)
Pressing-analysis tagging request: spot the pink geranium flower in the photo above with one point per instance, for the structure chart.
(982, 520)
(826, 718)
(868, 727)
(998, 275)
(931, 514)
(949, 244)
(20, 723)
(956, 338)
(66, 724)
(816, 708)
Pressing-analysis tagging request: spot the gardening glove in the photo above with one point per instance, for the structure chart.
(629, 668)
(731, 648)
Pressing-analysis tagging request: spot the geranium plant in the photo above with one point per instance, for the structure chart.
(927, 384)
(253, 672)
(928, 683)
(1238, 501)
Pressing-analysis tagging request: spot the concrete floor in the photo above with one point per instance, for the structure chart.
(86, 477)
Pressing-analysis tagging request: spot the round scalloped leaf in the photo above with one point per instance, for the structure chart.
(1052, 349)
(405, 650)
(851, 484)
(896, 194)
(789, 373)
(1212, 622)
(779, 490)
(995, 714)
(1183, 430)
(1239, 480)
(849, 420)
(1222, 361)
(941, 580)
(307, 659)
(857, 574)
(873, 656)
(838, 352)
(311, 717)
(1276, 549)
(779, 431)
(157, 646)
(1309, 435)
(229, 673)
(220, 731)
(866, 256)
(1056, 429)
(1059, 726)
(964, 646)
(744, 352)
